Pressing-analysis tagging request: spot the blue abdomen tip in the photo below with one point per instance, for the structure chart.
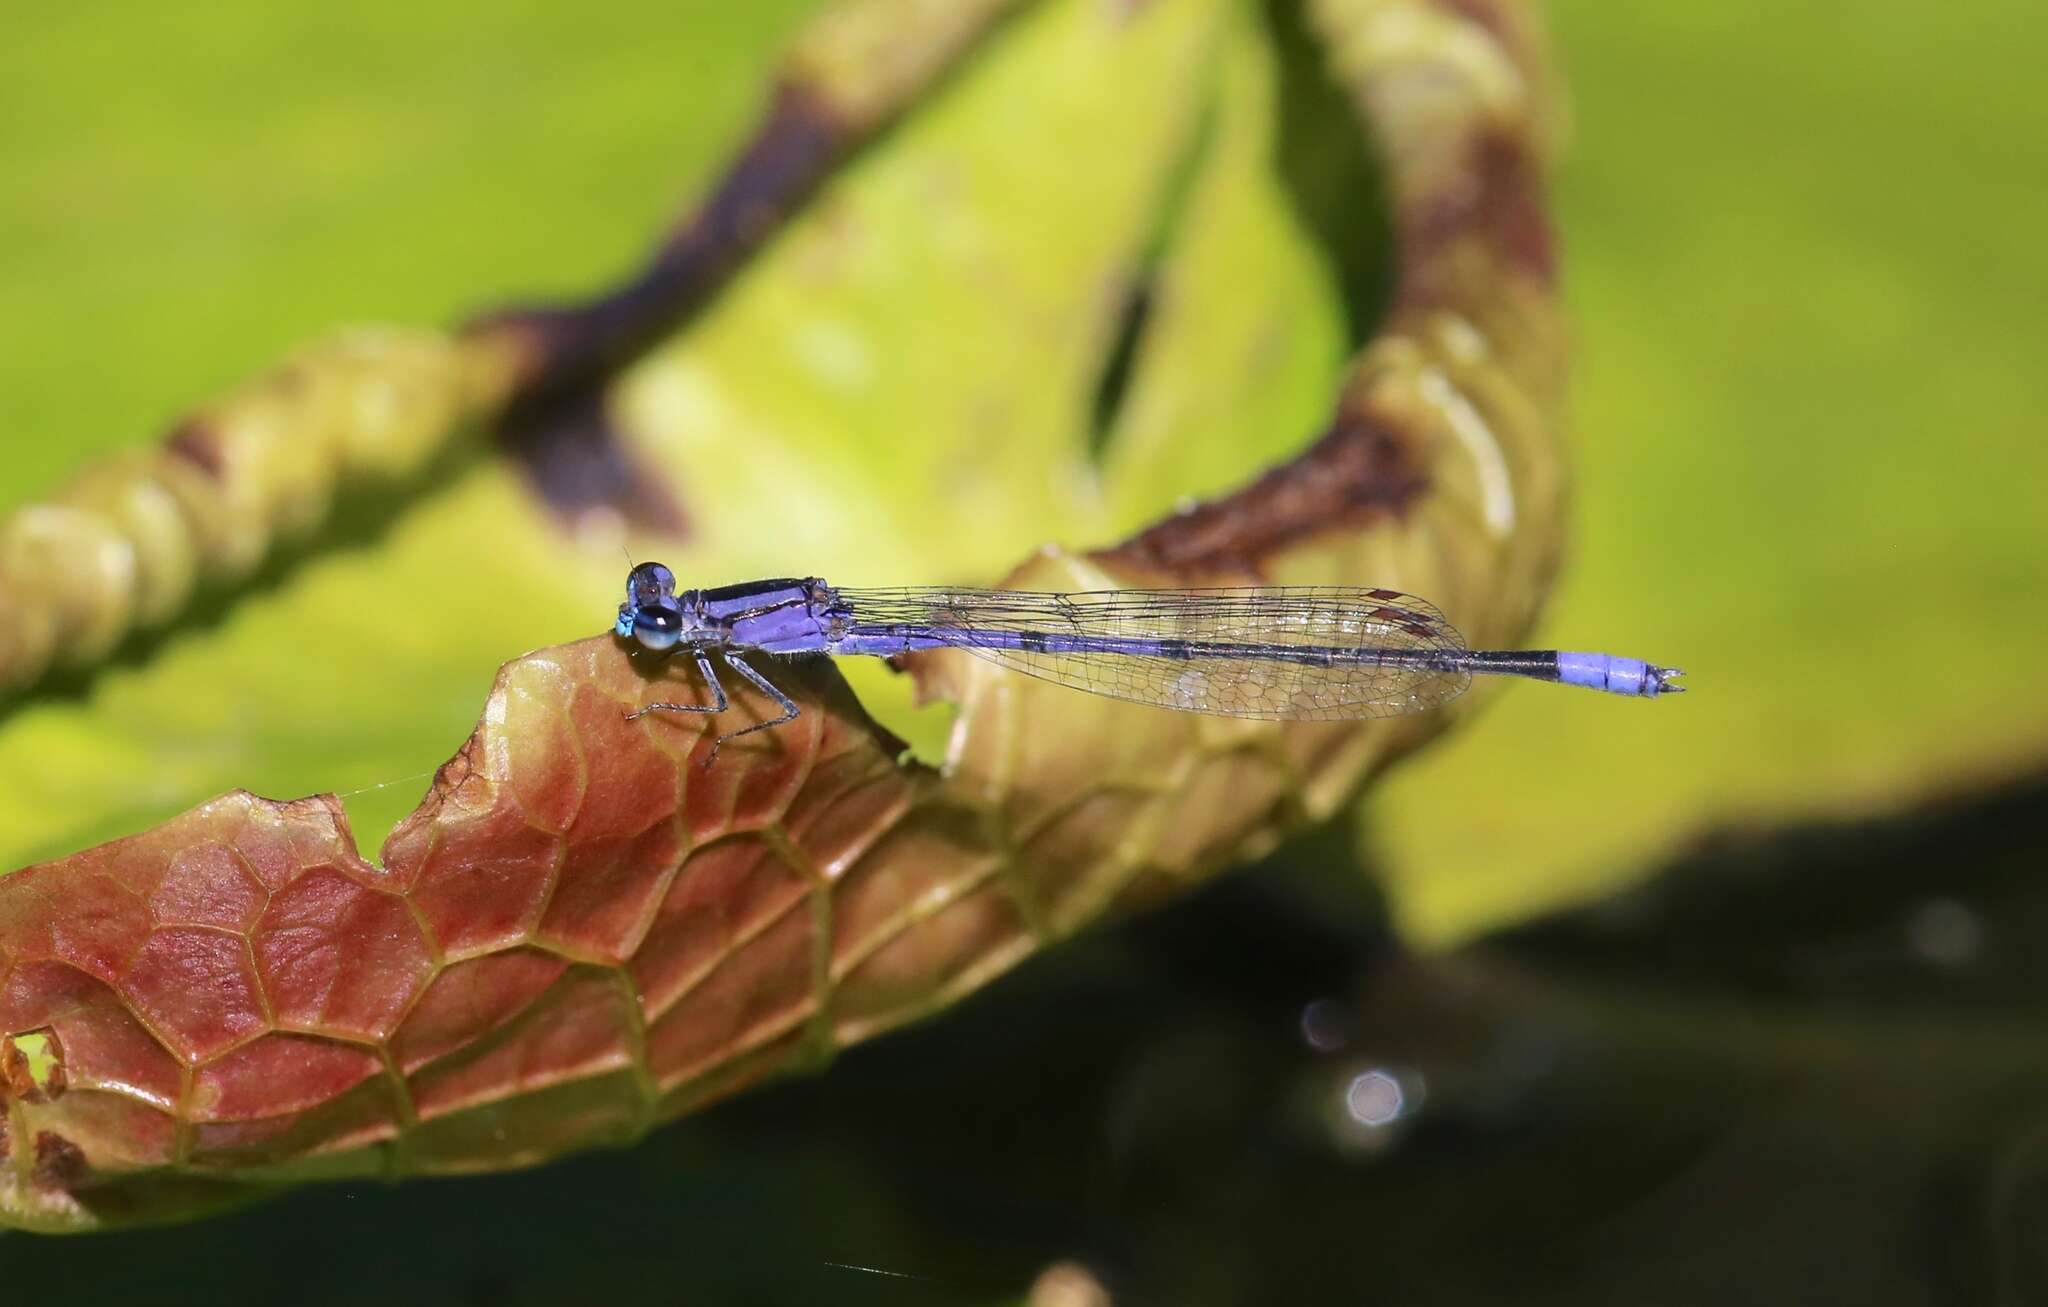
(1614, 675)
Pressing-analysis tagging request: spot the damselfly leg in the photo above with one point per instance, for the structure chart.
(719, 701)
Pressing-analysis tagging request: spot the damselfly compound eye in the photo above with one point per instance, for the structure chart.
(658, 623)
(650, 581)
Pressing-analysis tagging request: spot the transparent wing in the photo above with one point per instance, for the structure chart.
(1241, 652)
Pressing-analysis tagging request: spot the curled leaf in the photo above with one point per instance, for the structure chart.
(582, 931)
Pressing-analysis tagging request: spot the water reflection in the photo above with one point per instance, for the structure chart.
(1371, 1106)
(1325, 1025)
(1374, 1099)
(1945, 932)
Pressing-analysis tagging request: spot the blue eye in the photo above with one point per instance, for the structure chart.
(657, 623)
(650, 581)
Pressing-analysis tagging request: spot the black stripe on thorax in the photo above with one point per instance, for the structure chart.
(719, 593)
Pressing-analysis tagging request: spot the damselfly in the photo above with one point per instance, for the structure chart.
(1283, 653)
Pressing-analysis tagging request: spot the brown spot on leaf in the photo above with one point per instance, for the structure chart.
(1496, 205)
(1483, 14)
(197, 442)
(59, 1164)
(1362, 468)
(578, 463)
(567, 347)
(556, 422)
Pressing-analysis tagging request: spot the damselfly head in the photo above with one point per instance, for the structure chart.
(651, 615)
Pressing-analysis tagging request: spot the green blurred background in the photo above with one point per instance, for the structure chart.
(1805, 271)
